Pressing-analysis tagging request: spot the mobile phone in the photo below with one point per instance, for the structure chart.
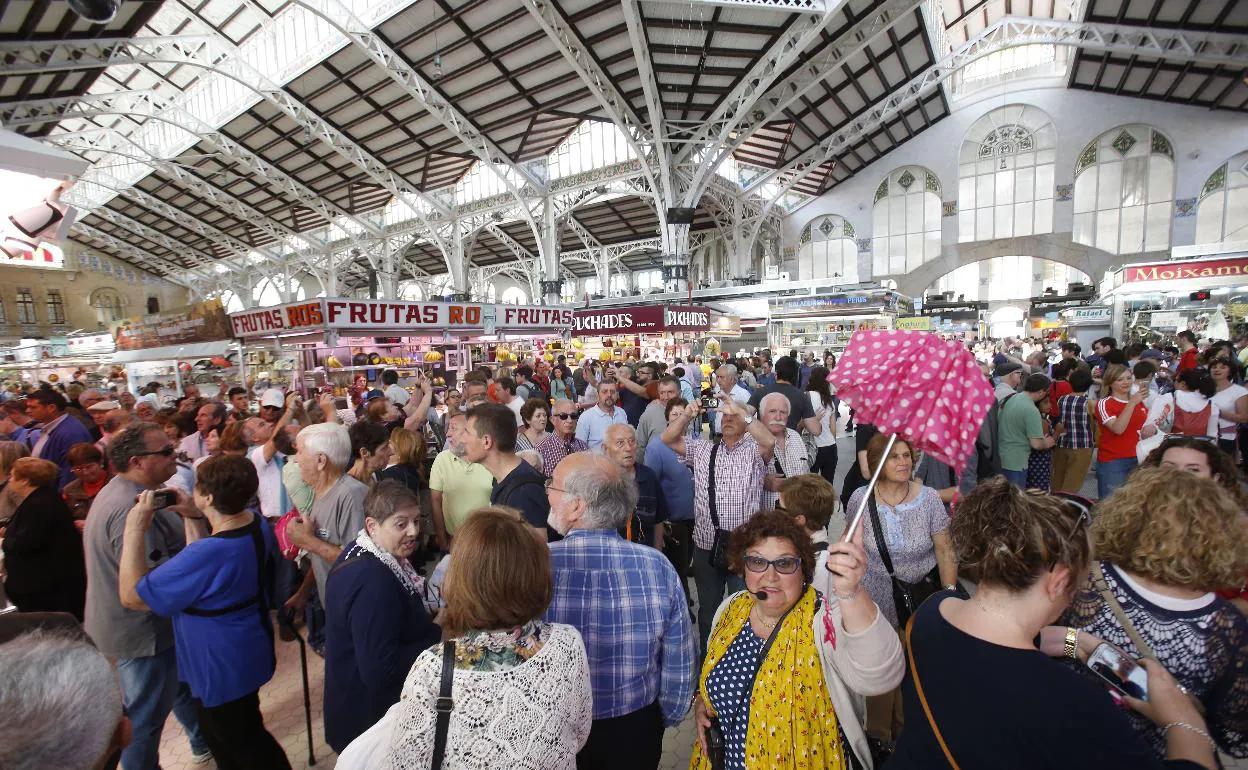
(163, 498)
(1119, 670)
(340, 403)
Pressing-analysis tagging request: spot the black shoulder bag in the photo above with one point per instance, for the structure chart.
(906, 596)
(444, 706)
(719, 545)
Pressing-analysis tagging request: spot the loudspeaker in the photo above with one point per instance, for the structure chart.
(680, 216)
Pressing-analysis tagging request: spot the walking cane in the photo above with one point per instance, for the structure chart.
(303, 663)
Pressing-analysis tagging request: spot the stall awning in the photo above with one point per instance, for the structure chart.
(188, 352)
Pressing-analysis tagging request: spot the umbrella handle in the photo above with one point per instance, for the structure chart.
(862, 505)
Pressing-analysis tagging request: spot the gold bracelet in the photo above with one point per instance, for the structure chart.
(1193, 728)
(1072, 643)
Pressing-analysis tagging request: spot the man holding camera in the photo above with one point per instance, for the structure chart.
(728, 478)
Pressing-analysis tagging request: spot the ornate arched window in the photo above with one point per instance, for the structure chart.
(410, 291)
(1222, 214)
(1005, 175)
(110, 305)
(905, 221)
(1124, 190)
(826, 249)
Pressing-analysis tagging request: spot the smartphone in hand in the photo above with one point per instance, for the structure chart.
(1119, 670)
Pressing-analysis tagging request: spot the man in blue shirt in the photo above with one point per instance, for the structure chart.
(592, 425)
(676, 481)
(59, 430)
(628, 604)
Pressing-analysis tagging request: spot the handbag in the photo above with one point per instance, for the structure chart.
(906, 596)
(918, 688)
(719, 544)
(444, 705)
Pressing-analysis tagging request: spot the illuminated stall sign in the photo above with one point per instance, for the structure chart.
(641, 319)
(1179, 271)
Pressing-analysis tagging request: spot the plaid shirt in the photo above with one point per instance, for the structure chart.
(794, 461)
(1074, 415)
(553, 449)
(627, 601)
(739, 473)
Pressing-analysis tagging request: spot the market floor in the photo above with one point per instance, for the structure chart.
(281, 699)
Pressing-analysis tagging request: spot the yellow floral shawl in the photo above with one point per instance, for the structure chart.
(792, 723)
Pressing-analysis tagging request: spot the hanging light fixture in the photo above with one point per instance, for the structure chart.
(437, 56)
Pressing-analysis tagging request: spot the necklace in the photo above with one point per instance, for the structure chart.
(757, 617)
(885, 500)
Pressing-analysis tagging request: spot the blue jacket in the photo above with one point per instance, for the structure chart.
(68, 433)
(374, 631)
(675, 479)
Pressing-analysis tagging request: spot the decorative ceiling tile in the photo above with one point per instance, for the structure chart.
(931, 183)
(1123, 142)
(849, 230)
(826, 226)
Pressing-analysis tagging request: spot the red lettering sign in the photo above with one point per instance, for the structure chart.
(1180, 271)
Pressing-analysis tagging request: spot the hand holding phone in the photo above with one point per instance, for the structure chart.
(1119, 670)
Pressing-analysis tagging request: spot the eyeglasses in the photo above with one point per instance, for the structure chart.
(565, 415)
(785, 565)
(166, 452)
(550, 484)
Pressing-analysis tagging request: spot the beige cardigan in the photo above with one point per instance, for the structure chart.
(870, 662)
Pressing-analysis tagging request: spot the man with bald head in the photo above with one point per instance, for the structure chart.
(620, 446)
(640, 649)
(562, 440)
(790, 457)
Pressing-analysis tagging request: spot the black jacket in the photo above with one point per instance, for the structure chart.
(43, 556)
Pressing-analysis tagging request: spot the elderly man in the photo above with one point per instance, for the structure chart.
(728, 478)
(53, 672)
(58, 430)
(726, 385)
(640, 649)
(98, 411)
(323, 452)
(594, 421)
(676, 481)
(654, 420)
(801, 412)
(562, 440)
(457, 487)
(490, 440)
(87, 399)
(789, 455)
(620, 447)
(140, 642)
(1009, 377)
(209, 417)
(634, 398)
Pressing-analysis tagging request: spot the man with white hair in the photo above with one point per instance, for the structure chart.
(620, 447)
(323, 452)
(61, 701)
(629, 606)
(726, 383)
(789, 456)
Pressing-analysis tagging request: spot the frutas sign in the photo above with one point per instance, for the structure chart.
(1179, 271)
(390, 315)
(641, 319)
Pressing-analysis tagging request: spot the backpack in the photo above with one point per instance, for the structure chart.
(1191, 423)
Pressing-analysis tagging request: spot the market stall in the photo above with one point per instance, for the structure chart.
(343, 345)
(174, 347)
(642, 332)
(956, 317)
(827, 322)
(1073, 316)
(1203, 289)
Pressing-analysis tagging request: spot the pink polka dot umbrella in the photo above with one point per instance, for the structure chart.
(915, 385)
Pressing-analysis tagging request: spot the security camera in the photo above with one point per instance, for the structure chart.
(95, 11)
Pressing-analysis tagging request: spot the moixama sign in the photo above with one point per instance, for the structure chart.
(365, 315)
(1181, 271)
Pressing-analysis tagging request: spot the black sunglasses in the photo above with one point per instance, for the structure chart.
(564, 415)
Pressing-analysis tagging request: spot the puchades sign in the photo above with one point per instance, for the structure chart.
(362, 315)
(641, 319)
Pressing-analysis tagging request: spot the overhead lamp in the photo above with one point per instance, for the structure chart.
(437, 66)
(95, 11)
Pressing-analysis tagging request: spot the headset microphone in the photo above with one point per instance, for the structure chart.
(761, 595)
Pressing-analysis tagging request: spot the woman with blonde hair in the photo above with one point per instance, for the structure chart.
(520, 686)
(1120, 415)
(10, 452)
(1163, 548)
(407, 449)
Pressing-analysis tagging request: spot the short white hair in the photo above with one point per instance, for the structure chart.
(619, 427)
(610, 497)
(762, 403)
(329, 439)
(731, 369)
(44, 680)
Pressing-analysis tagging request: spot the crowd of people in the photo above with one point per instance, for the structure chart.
(547, 565)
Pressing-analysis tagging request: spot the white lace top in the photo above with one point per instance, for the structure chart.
(531, 717)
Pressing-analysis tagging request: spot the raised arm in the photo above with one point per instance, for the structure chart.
(674, 434)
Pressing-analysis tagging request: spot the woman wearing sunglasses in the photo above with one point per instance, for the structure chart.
(978, 693)
(785, 662)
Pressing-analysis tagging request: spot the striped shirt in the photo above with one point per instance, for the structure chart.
(627, 601)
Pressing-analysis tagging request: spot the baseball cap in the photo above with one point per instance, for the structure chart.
(104, 406)
(1006, 368)
(273, 397)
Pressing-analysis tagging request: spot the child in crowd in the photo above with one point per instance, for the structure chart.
(811, 500)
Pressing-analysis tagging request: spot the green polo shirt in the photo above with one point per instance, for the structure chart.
(1018, 422)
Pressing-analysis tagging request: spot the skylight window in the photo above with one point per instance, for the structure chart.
(593, 144)
(1035, 59)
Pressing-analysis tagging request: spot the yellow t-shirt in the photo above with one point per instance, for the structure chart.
(465, 487)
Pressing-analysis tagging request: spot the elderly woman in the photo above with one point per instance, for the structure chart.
(785, 661)
(520, 686)
(535, 414)
(214, 591)
(87, 462)
(977, 693)
(906, 531)
(790, 456)
(1121, 415)
(1161, 581)
(370, 450)
(376, 623)
(10, 452)
(42, 548)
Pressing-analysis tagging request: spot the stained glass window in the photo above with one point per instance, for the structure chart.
(1005, 175)
(827, 250)
(1222, 214)
(1124, 191)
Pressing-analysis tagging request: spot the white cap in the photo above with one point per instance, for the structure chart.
(104, 406)
(273, 397)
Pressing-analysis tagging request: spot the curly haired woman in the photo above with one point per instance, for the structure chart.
(1163, 547)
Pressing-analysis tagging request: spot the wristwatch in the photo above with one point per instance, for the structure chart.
(749, 418)
(1072, 643)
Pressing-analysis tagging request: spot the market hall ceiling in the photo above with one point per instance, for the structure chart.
(260, 176)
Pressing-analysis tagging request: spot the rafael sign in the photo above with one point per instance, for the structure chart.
(641, 319)
(1180, 271)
